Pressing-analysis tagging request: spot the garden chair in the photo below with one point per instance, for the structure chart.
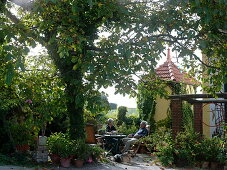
(141, 144)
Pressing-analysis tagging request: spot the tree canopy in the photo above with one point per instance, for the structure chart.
(137, 33)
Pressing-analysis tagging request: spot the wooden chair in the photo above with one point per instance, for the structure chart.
(141, 144)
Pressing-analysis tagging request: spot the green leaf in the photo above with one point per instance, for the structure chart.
(225, 79)
(9, 74)
(90, 3)
(9, 56)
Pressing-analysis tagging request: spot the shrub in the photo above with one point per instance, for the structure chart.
(21, 133)
(185, 147)
(164, 145)
(96, 152)
(121, 115)
(54, 142)
(82, 150)
(211, 150)
(167, 122)
(127, 129)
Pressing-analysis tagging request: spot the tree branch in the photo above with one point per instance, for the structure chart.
(93, 48)
(25, 5)
(16, 21)
(12, 17)
(196, 57)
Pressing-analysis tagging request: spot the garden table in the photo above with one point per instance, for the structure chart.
(114, 137)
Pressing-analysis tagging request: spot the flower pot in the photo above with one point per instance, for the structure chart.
(55, 159)
(89, 160)
(78, 163)
(42, 140)
(22, 148)
(205, 165)
(198, 165)
(65, 162)
(214, 165)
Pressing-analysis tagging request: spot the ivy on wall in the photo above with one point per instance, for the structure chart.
(187, 117)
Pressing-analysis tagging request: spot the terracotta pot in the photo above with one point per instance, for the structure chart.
(198, 165)
(205, 165)
(78, 163)
(89, 160)
(214, 165)
(22, 148)
(65, 162)
(55, 159)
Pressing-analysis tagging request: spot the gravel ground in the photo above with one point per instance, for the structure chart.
(139, 162)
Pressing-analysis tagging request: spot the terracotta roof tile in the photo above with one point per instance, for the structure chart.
(169, 71)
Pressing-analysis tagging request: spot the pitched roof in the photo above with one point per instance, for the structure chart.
(170, 72)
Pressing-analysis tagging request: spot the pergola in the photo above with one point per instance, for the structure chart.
(197, 101)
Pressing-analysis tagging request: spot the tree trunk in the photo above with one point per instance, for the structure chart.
(73, 79)
(75, 107)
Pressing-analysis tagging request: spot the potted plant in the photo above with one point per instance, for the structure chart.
(81, 153)
(54, 143)
(21, 136)
(96, 152)
(66, 149)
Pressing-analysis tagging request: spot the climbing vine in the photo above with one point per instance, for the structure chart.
(187, 117)
(148, 90)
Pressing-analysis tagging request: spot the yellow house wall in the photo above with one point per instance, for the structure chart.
(162, 107)
(190, 89)
(206, 119)
(206, 109)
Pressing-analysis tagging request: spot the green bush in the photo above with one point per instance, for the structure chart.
(132, 120)
(166, 155)
(167, 123)
(127, 129)
(121, 115)
(96, 152)
(54, 142)
(21, 133)
(187, 148)
(211, 150)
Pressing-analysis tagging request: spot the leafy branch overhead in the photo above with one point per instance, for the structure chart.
(134, 37)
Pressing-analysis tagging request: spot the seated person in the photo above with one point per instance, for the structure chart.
(132, 138)
(110, 127)
(111, 143)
